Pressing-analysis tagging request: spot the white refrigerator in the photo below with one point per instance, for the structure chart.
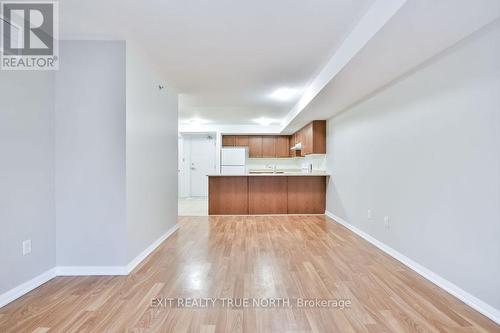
(234, 160)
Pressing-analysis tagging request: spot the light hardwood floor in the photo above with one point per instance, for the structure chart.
(255, 257)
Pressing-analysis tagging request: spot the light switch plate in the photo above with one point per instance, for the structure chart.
(26, 247)
(386, 222)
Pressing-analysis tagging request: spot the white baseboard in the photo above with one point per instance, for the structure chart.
(472, 301)
(137, 260)
(90, 270)
(26, 287)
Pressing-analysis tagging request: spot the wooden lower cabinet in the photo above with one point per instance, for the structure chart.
(306, 195)
(267, 195)
(228, 195)
(255, 195)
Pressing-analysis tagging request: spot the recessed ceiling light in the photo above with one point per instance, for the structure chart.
(195, 121)
(284, 94)
(264, 121)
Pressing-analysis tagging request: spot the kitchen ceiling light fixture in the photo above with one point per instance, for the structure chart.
(195, 121)
(264, 121)
(284, 94)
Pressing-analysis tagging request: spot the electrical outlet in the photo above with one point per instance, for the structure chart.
(369, 214)
(386, 222)
(26, 247)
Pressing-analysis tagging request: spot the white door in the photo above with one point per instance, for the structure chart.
(183, 169)
(202, 162)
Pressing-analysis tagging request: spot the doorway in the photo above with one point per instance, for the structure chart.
(197, 159)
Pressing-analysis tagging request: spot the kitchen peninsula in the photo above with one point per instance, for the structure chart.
(267, 193)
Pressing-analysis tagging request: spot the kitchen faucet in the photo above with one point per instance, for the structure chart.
(272, 166)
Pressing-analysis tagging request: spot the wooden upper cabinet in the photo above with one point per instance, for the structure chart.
(282, 146)
(228, 140)
(255, 146)
(241, 141)
(319, 137)
(313, 138)
(300, 139)
(293, 141)
(268, 146)
(307, 140)
(298, 136)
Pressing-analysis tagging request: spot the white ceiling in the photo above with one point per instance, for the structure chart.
(419, 32)
(224, 57)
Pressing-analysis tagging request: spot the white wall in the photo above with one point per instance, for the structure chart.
(26, 175)
(151, 154)
(426, 152)
(281, 163)
(116, 133)
(66, 181)
(90, 154)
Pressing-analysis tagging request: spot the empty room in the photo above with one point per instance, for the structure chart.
(249, 166)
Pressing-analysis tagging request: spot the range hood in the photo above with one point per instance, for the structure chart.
(298, 146)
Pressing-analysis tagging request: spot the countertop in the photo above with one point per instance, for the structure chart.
(269, 173)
